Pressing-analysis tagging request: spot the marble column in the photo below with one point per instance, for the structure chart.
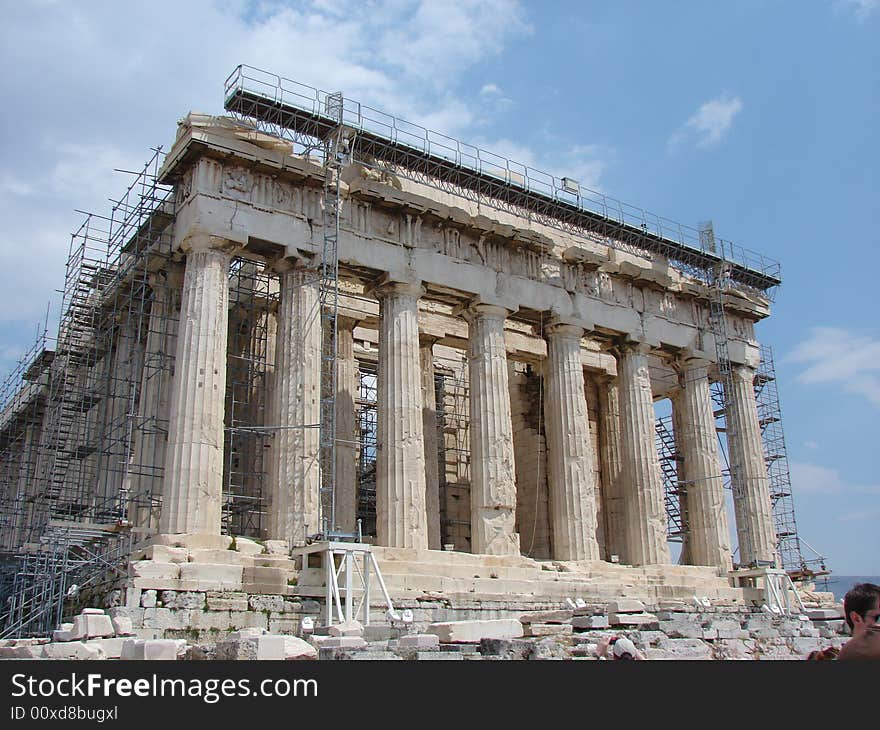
(346, 425)
(493, 472)
(708, 538)
(429, 427)
(570, 462)
(149, 444)
(611, 466)
(644, 507)
(748, 472)
(193, 489)
(294, 510)
(401, 519)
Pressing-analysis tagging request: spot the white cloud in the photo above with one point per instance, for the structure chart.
(839, 357)
(710, 123)
(120, 76)
(860, 8)
(860, 515)
(812, 445)
(808, 478)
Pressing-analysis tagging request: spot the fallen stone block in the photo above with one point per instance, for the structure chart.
(472, 632)
(22, 652)
(297, 649)
(633, 619)
(683, 628)
(149, 598)
(122, 625)
(625, 605)
(63, 633)
(112, 648)
(72, 650)
(265, 647)
(586, 623)
(132, 649)
(346, 628)
(164, 649)
(547, 617)
(419, 641)
(823, 614)
(342, 642)
(89, 625)
(548, 629)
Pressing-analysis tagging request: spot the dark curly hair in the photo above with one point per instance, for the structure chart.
(861, 598)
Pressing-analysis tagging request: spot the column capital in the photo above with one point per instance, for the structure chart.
(344, 322)
(562, 329)
(388, 285)
(743, 372)
(428, 340)
(288, 262)
(204, 242)
(476, 309)
(627, 345)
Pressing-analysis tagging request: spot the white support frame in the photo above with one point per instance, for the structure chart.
(778, 589)
(357, 561)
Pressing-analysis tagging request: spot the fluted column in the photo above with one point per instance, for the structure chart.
(708, 538)
(493, 473)
(401, 519)
(570, 462)
(295, 472)
(149, 444)
(429, 427)
(193, 488)
(645, 513)
(611, 466)
(346, 425)
(748, 472)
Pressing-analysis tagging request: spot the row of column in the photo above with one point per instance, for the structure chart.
(634, 498)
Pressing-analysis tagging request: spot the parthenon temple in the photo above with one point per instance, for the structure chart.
(311, 324)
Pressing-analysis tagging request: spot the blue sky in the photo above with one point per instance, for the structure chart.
(761, 116)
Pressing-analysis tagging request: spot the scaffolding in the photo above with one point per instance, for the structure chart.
(92, 487)
(303, 114)
(674, 488)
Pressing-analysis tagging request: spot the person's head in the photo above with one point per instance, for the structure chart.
(623, 648)
(861, 605)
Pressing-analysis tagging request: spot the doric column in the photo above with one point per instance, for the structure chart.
(401, 519)
(610, 465)
(295, 473)
(149, 444)
(645, 513)
(570, 462)
(748, 472)
(193, 488)
(429, 427)
(346, 425)
(708, 538)
(493, 473)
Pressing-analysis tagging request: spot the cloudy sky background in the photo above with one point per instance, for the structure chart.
(759, 115)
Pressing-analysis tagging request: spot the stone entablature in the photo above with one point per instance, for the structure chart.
(228, 183)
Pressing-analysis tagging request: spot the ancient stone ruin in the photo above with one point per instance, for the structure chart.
(313, 343)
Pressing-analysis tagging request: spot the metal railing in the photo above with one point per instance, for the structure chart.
(297, 111)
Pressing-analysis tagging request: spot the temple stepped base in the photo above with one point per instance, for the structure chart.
(457, 576)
